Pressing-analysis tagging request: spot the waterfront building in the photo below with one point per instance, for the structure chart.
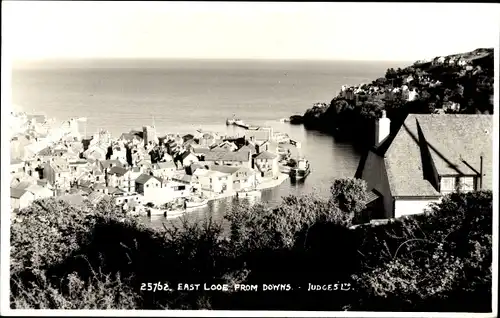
(266, 163)
(243, 177)
(229, 158)
(429, 156)
(214, 181)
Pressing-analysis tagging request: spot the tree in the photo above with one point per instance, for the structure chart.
(349, 195)
(129, 158)
(390, 74)
(109, 153)
(381, 81)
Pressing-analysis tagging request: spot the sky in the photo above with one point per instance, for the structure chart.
(251, 30)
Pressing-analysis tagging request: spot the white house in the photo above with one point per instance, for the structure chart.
(266, 163)
(39, 192)
(187, 159)
(164, 170)
(214, 181)
(20, 199)
(95, 153)
(243, 177)
(428, 157)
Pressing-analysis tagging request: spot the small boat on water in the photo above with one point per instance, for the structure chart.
(248, 193)
(232, 121)
(285, 169)
(301, 170)
(195, 203)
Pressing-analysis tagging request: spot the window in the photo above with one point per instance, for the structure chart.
(467, 184)
(448, 184)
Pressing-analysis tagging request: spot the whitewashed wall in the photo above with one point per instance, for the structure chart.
(409, 207)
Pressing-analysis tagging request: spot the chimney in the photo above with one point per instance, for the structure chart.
(382, 128)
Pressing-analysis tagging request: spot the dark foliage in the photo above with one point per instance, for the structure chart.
(97, 257)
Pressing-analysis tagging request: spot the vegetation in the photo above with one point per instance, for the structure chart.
(98, 258)
(441, 88)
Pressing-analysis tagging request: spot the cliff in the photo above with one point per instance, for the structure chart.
(458, 83)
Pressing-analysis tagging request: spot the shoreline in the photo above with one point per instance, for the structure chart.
(268, 184)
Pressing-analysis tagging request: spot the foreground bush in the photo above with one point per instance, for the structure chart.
(95, 258)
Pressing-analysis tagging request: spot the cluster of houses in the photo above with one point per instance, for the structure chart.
(135, 169)
(354, 93)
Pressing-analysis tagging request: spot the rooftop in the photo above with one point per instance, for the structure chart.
(455, 144)
(266, 155)
(227, 156)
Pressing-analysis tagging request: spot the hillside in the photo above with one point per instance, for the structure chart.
(458, 83)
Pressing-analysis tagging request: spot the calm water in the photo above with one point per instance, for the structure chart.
(184, 95)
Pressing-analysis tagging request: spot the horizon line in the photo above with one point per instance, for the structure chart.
(56, 59)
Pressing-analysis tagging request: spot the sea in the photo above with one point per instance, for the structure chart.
(182, 96)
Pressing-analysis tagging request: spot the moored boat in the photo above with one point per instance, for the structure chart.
(248, 193)
(301, 170)
(195, 203)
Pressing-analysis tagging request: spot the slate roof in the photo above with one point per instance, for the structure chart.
(250, 148)
(164, 165)
(23, 185)
(227, 156)
(266, 155)
(455, 144)
(119, 171)
(200, 150)
(95, 197)
(184, 155)
(144, 178)
(17, 193)
(224, 169)
(106, 163)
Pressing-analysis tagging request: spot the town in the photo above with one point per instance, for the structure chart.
(141, 171)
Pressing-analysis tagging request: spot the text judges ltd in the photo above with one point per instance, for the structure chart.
(154, 287)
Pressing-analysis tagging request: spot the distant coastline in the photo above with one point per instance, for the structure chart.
(458, 83)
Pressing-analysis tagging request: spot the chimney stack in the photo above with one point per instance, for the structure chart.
(382, 128)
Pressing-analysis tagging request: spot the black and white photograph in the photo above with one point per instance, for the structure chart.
(249, 158)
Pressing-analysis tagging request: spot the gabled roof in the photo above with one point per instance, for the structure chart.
(119, 171)
(17, 193)
(249, 148)
(113, 190)
(454, 143)
(266, 155)
(144, 178)
(107, 163)
(224, 169)
(164, 165)
(184, 155)
(23, 185)
(227, 156)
